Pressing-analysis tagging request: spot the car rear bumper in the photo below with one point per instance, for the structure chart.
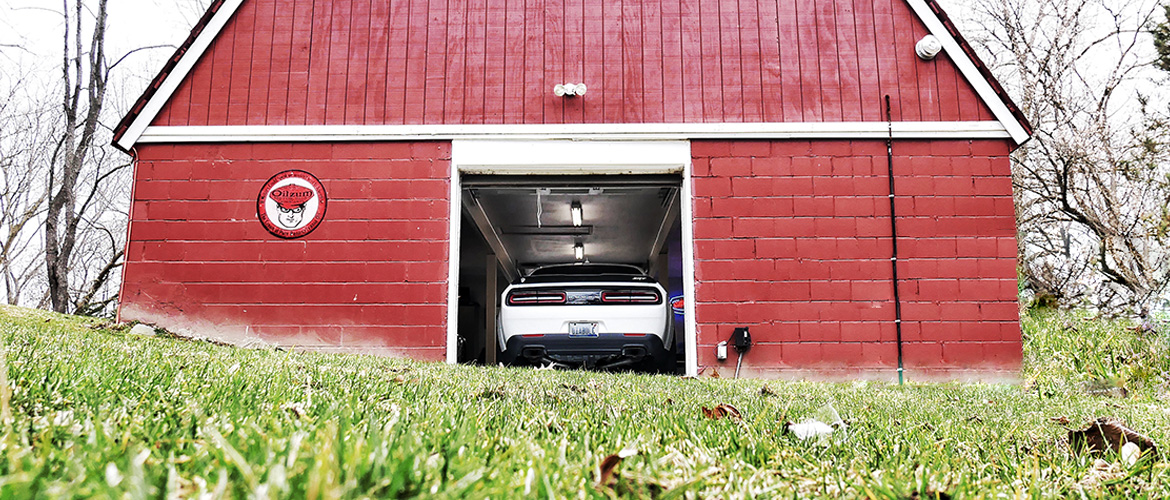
(606, 351)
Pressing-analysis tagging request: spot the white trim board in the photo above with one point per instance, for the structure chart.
(590, 131)
(567, 157)
(966, 66)
(179, 73)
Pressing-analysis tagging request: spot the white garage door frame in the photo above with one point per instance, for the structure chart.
(571, 157)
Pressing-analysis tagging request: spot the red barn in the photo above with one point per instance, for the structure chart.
(365, 176)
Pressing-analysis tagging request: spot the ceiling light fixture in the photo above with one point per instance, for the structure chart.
(575, 209)
(579, 251)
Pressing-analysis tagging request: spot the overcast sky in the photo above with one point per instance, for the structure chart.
(31, 38)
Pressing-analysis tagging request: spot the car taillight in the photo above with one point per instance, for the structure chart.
(534, 298)
(630, 297)
(678, 304)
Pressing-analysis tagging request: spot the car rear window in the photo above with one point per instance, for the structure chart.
(585, 272)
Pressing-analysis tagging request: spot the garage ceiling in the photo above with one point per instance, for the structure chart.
(625, 218)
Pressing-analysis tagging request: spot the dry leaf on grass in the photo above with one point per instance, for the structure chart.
(767, 391)
(1105, 434)
(722, 410)
(608, 467)
(1058, 420)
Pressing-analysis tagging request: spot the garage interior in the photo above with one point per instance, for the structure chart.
(512, 224)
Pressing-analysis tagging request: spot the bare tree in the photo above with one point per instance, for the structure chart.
(80, 165)
(1092, 186)
(25, 138)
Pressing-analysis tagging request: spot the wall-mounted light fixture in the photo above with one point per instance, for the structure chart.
(928, 47)
(579, 251)
(575, 210)
(569, 89)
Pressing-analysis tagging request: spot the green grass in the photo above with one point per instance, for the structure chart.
(96, 412)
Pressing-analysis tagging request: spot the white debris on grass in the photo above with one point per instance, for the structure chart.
(1130, 452)
(143, 330)
(824, 423)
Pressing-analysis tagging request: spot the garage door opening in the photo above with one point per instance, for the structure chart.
(511, 225)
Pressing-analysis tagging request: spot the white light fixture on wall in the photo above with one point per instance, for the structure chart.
(928, 47)
(579, 251)
(569, 89)
(575, 210)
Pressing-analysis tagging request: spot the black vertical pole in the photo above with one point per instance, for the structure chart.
(894, 235)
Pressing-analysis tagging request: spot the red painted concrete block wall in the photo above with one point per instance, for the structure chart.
(793, 239)
(371, 278)
(314, 62)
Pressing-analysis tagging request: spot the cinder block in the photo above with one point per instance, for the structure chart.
(843, 353)
(851, 206)
(803, 268)
(880, 354)
(731, 207)
(751, 186)
(950, 148)
(802, 353)
(715, 312)
(731, 166)
(778, 207)
(792, 186)
(715, 187)
(992, 185)
(830, 291)
(816, 248)
(751, 148)
(871, 290)
(753, 227)
(831, 147)
(960, 311)
(856, 331)
(1000, 311)
(713, 228)
(922, 354)
(994, 148)
(772, 166)
(725, 249)
(907, 148)
(869, 148)
(710, 149)
(789, 291)
(1006, 354)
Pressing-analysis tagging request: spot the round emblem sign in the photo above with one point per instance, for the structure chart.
(291, 204)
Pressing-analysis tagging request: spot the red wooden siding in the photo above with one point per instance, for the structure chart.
(792, 238)
(311, 62)
(371, 278)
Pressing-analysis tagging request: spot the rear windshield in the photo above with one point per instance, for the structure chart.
(585, 272)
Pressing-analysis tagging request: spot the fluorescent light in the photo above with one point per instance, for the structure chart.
(575, 209)
(579, 251)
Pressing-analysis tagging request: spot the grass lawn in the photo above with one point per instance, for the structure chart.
(90, 411)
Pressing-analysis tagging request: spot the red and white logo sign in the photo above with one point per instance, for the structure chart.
(291, 204)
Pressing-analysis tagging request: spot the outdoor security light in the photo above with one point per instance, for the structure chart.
(575, 209)
(928, 47)
(569, 89)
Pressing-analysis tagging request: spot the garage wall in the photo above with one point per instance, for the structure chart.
(300, 62)
(371, 278)
(792, 238)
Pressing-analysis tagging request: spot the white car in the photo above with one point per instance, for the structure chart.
(602, 316)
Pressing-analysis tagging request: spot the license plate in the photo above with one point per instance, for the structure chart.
(580, 329)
